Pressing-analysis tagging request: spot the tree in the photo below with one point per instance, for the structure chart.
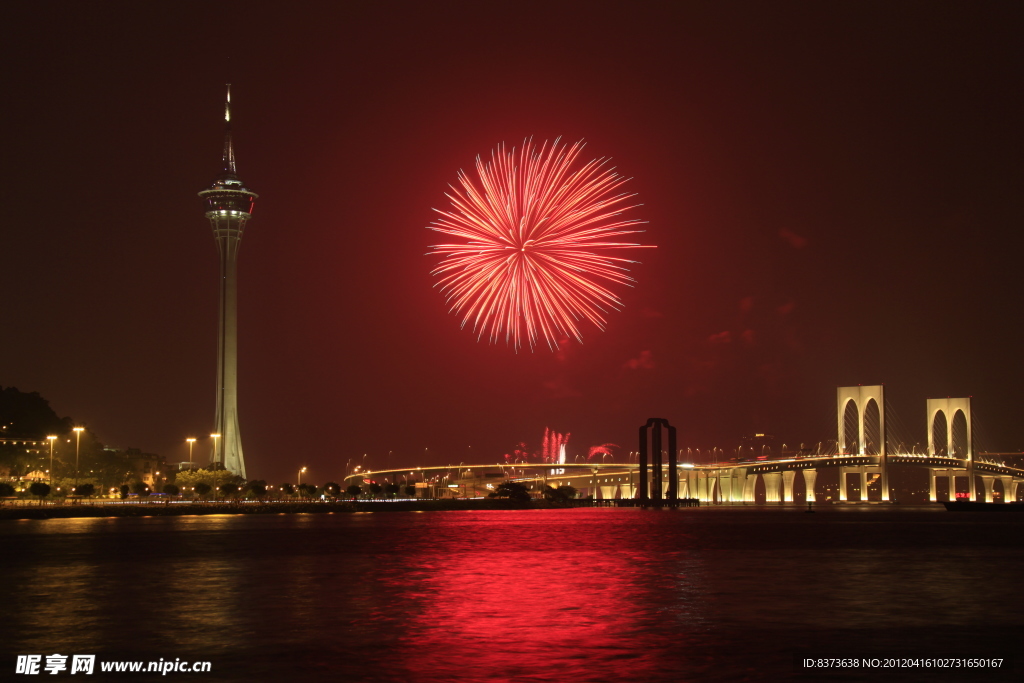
(6, 490)
(228, 490)
(39, 489)
(512, 490)
(332, 489)
(354, 490)
(211, 477)
(141, 489)
(392, 490)
(106, 468)
(170, 489)
(258, 489)
(124, 491)
(307, 490)
(287, 489)
(88, 490)
(410, 491)
(203, 489)
(375, 489)
(561, 494)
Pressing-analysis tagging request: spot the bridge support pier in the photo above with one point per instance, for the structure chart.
(932, 495)
(863, 484)
(725, 486)
(771, 487)
(1007, 488)
(711, 488)
(748, 488)
(842, 484)
(787, 485)
(809, 477)
(738, 477)
(702, 487)
(1013, 490)
(952, 485)
(735, 484)
(986, 487)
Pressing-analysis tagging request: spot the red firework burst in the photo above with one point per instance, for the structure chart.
(534, 259)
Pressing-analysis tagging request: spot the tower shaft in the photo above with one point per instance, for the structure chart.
(228, 234)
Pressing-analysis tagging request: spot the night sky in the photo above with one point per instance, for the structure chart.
(834, 190)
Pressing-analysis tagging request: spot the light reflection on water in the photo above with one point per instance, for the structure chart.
(590, 595)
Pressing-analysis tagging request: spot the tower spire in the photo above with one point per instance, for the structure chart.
(229, 147)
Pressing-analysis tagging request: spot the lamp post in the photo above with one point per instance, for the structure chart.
(78, 444)
(300, 476)
(191, 441)
(51, 439)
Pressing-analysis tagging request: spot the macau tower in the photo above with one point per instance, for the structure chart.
(228, 207)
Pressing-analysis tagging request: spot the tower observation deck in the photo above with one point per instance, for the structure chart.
(228, 207)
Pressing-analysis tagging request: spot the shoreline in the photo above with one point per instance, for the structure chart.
(29, 512)
(248, 508)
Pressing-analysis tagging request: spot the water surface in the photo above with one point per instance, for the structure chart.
(541, 595)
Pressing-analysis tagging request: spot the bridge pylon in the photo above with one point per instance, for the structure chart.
(862, 396)
(948, 408)
(655, 424)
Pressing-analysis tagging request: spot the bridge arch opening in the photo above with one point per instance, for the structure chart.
(851, 428)
(998, 491)
(959, 432)
(872, 428)
(939, 433)
(760, 491)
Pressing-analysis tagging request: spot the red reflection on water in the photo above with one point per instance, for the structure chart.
(528, 597)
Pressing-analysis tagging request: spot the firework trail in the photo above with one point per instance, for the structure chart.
(535, 234)
(603, 449)
(552, 445)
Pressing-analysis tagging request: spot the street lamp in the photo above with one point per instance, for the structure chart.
(191, 441)
(78, 444)
(300, 475)
(51, 439)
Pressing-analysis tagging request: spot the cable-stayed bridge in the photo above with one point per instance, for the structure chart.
(866, 452)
